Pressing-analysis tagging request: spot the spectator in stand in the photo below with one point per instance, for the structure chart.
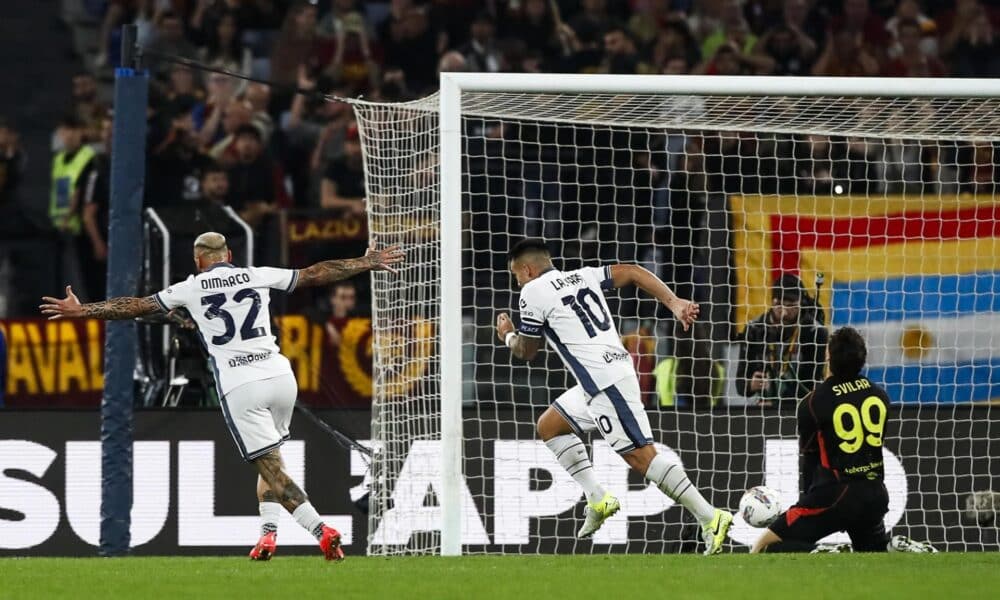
(912, 60)
(410, 46)
(620, 54)
(168, 38)
(235, 115)
(908, 10)
(676, 66)
(534, 24)
(12, 163)
(26, 261)
(343, 298)
(333, 21)
(584, 48)
(353, 65)
(174, 154)
(258, 97)
(481, 53)
(845, 55)
(87, 107)
(735, 33)
(313, 132)
(222, 89)
(252, 178)
(728, 60)
(343, 186)
(452, 62)
(955, 21)
(804, 20)
(225, 49)
(647, 19)
(118, 13)
(214, 186)
(182, 82)
(450, 20)
(973, 46)
(337, 120)
(732, 28)
(792, 51)
(70, 168)
(857, 17)
(676, 42)
(593, 16)
(96, 204)
(297, 45)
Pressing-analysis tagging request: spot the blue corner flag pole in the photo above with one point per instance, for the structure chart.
(128, 171)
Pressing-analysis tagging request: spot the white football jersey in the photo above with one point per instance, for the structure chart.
(231, 306)
(569, 308)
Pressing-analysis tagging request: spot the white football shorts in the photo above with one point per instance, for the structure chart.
(616, 412)
(258, 414)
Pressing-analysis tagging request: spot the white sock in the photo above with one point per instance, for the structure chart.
(306, 516)
(572, 455)
(673, 481)
(270, 512)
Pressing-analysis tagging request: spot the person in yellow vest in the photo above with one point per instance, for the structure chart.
(71, 168)
(690, 377)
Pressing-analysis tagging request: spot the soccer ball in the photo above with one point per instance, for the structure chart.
(760, 506)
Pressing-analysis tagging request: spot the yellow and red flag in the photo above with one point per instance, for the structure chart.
(918, 275)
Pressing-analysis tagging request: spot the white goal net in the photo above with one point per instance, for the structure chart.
(884, 208)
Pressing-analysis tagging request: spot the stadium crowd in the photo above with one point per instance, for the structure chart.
(218, 141)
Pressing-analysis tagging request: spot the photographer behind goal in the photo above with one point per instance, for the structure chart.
(781, 356)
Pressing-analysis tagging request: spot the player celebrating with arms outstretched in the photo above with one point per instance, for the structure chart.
(570, 310)
(257, 388)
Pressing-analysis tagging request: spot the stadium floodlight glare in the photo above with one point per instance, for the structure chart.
(861, 179)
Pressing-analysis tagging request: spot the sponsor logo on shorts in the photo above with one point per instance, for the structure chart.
(246, 359)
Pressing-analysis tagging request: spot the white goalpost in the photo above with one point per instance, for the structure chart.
(879, 194)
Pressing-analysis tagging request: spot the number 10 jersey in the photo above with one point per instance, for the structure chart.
(231, 306)
(570, 310)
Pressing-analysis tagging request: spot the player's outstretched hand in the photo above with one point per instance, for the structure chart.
(504, 325)
(686, 312)
(382, 260)
(66, 308)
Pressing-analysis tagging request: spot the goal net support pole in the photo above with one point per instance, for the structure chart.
(128, 169)
(451, 317)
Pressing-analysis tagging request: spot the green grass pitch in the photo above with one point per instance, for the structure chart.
(615, 577)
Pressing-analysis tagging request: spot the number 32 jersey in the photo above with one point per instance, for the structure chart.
(570, 310)
(231, 306)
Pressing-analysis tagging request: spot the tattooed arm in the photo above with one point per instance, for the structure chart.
(328, 271)
(123, 307)
(521, 346)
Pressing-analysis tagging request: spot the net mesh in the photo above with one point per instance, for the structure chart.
(884, 207)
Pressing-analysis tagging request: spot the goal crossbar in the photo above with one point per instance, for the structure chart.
(709, 85)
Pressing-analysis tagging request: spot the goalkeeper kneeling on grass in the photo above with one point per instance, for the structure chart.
(841, 426)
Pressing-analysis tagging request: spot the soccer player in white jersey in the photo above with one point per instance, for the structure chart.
(256, 385)
(569, 309)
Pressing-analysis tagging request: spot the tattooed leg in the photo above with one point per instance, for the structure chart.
(288, 493)
(272, 474)
(264, 491)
